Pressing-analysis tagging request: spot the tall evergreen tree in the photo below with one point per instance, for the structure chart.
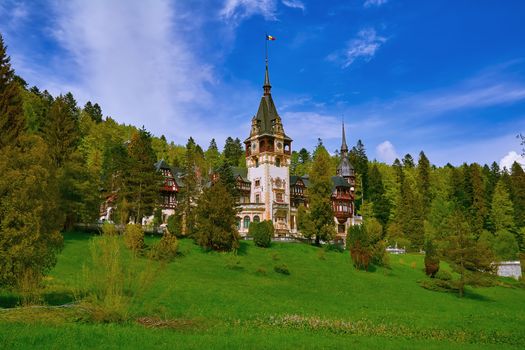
(408, 161)
(60, 132)
(212, 156)
(94, 111)
(191, 187)
(377, 195)
(320, 191)
(12, 120)
(30, 220)
(502, 212)
(517, 180)
(142, 180)
(470, 259)
(478, 210)
(423, 181)
(216, 216)
(232, 151)
(359, 160)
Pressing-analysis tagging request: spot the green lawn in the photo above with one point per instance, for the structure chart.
(239, 301)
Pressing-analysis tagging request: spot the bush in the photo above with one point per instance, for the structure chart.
(174, 223)
(109, 229)
(166, 249)
(366, 245)
(262, 233)
(282, 269)
(134, 237)
(431, 259)
(443, 275)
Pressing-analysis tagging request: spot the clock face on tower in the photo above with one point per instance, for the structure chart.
(254, 146)
(279, 145)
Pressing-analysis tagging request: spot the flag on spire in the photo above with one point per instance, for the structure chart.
(269, 37)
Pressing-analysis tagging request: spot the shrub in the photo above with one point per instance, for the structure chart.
(166, 248)
(282, 269)
(443, 275)
(109, 229)
(262, 233)
(366, 246)
(134, 237)
(174, 223)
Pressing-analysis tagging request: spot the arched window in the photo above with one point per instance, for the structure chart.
(246, 222)
(277, 162)
(256, 218)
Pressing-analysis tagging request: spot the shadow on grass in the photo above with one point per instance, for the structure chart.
(58, 298)
(77, 236)
(470, 294)
(9, 301)
(243, 248)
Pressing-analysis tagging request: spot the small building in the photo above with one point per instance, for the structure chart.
(509, 269)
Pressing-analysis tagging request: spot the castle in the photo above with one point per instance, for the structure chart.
(266, 189)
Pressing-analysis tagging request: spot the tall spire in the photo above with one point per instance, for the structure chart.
(344, 147)
(267, 87)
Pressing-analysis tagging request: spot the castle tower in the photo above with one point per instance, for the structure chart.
(345, 169)
(268, 151)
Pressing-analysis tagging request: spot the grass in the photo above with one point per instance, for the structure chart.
(222, 300)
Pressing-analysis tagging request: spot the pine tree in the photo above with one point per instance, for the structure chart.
(30, 220)
(378, 197)
(94, 111)
(502, 212)
(517, 181)
(142, 182)
(232, 151)
(423, 181)
(191, 187)
(216, 220)
(60, 132)
(470, 259)
(478, 209)
(359, 160)
(408, 161)
(12, 120)
(212, 156)
(320, 191)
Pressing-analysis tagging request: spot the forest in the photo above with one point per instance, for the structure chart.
(59, 161)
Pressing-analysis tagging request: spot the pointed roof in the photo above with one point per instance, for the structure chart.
(344, 147)
(267, 115)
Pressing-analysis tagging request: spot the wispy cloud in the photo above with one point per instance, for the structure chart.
(371, 3)
(296, 4)
(130, 60)
(235, 11)
(363, 47)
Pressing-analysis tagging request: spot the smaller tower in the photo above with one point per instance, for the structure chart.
(345, 169)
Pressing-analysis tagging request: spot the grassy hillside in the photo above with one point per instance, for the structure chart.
(225, 301)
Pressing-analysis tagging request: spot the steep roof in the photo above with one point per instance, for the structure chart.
(242, 172)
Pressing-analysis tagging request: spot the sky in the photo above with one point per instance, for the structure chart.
(445, 77)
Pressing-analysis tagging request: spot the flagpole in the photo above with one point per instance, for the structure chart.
(266, 42)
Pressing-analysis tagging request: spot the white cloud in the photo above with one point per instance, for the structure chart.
(235, 11)
(386, 152)
(364, 47)
(370, 3)
(510, 158)
(127, 56)
(296, 4)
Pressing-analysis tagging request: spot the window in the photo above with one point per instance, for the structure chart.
(278, 162)
(341, 228)
(246, 223)
(257, 198)
(256, 218)
(257, 183)
(292, 222)
(256, 162)
(279, 197)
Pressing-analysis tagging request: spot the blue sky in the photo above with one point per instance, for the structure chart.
(446, 77)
